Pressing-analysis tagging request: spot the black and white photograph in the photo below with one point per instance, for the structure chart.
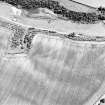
(52, 52)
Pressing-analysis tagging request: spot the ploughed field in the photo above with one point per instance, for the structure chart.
(54, 71)
(41, 67)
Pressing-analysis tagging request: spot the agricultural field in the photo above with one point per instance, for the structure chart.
(50, 58)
